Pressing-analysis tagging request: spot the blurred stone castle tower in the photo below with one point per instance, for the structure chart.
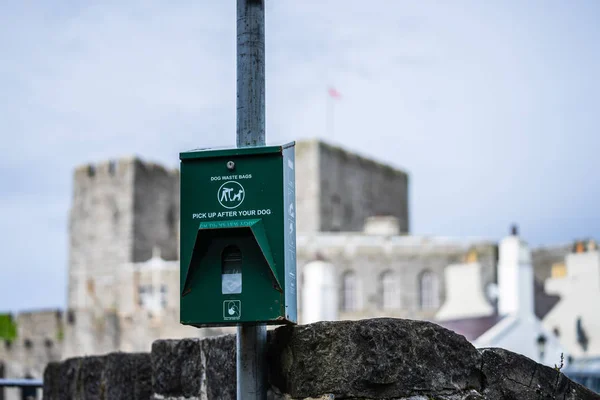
(122, 211)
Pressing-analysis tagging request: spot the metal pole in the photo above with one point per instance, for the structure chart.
(251, 362)
(250, 73)
(330, 117)
(251, 339)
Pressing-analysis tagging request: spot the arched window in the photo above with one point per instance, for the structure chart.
(390, 291)
(429, 290)
(350, 291)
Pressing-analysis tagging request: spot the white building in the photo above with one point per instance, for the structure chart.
(514, 326)
(319, 292)
(576, 317)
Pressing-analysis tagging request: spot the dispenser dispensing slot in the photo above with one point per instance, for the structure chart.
(231, 270)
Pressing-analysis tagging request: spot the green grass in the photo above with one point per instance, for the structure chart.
(8, 327)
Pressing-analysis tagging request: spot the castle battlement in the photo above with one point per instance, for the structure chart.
(350, 157)
(103, 169)
(39, 324)
(337, 190)
(39, 340)
(118, 168)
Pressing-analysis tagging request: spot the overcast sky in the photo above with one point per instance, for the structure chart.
(492, 106)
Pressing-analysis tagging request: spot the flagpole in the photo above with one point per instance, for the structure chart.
(330, 120)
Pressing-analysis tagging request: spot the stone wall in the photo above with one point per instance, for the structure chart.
(121, 210)
(39, 341)
(337, 190)
(156, 212)
(354, 188)
(406, 257)
(369, 359)
(307, 186)
(100, 230)
(92, 331)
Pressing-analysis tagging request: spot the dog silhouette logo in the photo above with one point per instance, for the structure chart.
(231, 194)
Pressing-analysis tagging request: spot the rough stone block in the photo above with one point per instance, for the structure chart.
(375, 358)
(508, 375)
(69, 374)
(220, 362)
(128, 376)
(52, 379)
(90, 385)
(177, 367)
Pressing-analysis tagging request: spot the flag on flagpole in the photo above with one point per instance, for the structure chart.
(333, 93)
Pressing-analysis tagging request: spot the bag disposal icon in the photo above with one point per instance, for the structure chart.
(232, 309)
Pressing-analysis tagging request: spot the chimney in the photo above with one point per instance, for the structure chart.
(464, 293)
(515, 276)
(319, 292)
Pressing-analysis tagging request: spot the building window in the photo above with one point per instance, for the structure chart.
(71, 317)
(141, 294)
(429, 291)
(390, 291)
(337, 217)
(153, 298)
(163, 296)
(172, 219)
(144, 295)
(350, 291)
(112, 167)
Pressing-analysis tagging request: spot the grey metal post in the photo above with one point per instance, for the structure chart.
(250, 73)
(251, 339)
(251, 362)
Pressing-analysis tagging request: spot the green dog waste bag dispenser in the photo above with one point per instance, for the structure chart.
(238, 236)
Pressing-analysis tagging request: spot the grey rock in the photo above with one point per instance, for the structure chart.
(375, 358)
(220, 362)
(191, 368)
(52, 379)
(69, 375)
(473, 395)
(513, 376)
(177, 367)
(90, 381)
(372, 359)
(114, 376)
(128, 376)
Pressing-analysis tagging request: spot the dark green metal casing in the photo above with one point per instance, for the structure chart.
(238, 226)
